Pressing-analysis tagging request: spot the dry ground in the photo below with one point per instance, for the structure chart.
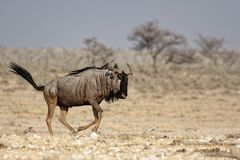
(147, 125)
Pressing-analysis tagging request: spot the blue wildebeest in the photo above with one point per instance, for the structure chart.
(87, 86)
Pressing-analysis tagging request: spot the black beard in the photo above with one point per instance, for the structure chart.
(112, 96)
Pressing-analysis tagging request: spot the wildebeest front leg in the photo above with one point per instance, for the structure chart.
(98, 115)
(95, 113)
(62, 119)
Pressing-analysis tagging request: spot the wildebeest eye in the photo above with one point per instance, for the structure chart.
(108, 73)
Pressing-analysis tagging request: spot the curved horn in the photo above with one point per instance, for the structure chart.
(130, 70)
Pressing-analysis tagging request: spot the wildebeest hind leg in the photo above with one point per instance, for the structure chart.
(50, 97)
(95, 113)
(51, 108)
(62, 119)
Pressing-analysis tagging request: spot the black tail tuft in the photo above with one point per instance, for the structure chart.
(19, 70)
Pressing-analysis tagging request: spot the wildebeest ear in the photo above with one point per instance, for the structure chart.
(129, 74)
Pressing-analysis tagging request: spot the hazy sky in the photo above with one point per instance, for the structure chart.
(42, 23)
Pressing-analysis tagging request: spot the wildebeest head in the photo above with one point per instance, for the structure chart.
(119, 82)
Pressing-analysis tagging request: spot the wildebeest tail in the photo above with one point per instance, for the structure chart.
(19, 70)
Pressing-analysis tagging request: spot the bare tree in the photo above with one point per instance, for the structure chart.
(155, 40)
(210, 47)
(99, 53)
(230, 58)
(181, 56)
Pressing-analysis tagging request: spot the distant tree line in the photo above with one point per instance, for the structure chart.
(166, 47)
(160, 47)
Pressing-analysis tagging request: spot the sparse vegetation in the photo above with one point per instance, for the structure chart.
(98, 53)
(210, 47)
(183, 101)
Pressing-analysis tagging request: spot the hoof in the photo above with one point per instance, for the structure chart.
(94, 135)
(94, 130)
(74, 133)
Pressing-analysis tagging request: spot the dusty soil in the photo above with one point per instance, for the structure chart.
(147, 125)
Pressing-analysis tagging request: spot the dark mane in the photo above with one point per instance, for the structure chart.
(81, 70)
(87, 68)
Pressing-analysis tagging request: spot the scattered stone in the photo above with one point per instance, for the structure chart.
(94, 135)
(147, 131)
(3, 146)
(76, 157)
(182, 150)
(124, 137)
(29, 130)
(33, 146)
